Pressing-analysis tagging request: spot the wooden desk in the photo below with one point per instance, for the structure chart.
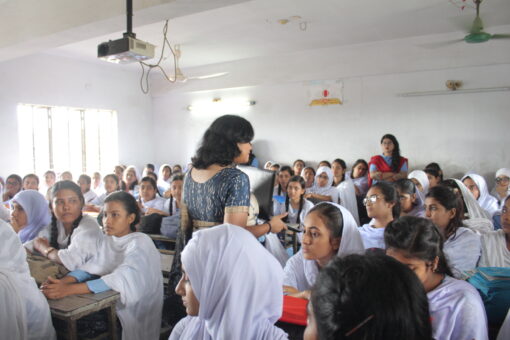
(72, 308)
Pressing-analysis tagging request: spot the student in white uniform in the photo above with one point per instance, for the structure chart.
(456, 309)
(421, 180)
(69, 230)
(496, 244)
(150, 201)
(345, 187)
(462, 245)
(478, 187)
(24, 311)
(298, 166)
(111, 184)
(283, 177)
(50, 177)
(322, 189)
(382, 203)
(127, 262)
(359, 175)
(85, 182)
(411, 204)
(502, 185)
(308, 173)
(29, 214)
(164, 176)
(97, 183)
(330, 230)
(31, 182)
(231, 287)
(131, 177)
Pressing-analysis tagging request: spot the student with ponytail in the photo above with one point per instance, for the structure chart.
(456, 309)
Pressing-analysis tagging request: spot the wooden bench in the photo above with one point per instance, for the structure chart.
(74, 307)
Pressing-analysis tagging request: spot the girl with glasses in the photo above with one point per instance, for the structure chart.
(322, 189)
(382, 204)
(501, 187)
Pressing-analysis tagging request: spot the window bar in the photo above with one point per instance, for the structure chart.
(83, 140)
(50, 137)
(99, 142)
(33, 140)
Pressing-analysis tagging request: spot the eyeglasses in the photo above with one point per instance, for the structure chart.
(372, 199)
(324, 176)
(502, 179)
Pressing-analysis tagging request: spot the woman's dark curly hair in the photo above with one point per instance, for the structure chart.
(395, 156)
(418, 238)
(370, 297)
(129, 202)
(219, 143)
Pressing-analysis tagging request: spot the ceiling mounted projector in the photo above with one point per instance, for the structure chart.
(127, 49)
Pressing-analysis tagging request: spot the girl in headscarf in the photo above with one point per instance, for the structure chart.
(330, 230)
(322, 189)
(478, 187)
(496, 244)
(420, 179)
(25, 301)
(231, 287)
(501, 188)
(29, 214)
(345, 187)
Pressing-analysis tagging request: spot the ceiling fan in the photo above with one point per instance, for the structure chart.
(477, 34)
(180, 77)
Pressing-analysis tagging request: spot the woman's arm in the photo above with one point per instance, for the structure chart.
(42, 245)
(319, 197)
(156, 211)
(57, 289)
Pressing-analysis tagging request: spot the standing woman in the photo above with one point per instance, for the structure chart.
(345, 187)
(29, 214)
(389, 166)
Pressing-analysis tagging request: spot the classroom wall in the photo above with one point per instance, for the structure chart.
(462, 132)
(53, 80)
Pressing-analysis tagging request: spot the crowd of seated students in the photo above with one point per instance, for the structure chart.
(352, 223)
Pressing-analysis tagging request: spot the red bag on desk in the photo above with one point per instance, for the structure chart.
(294, 310)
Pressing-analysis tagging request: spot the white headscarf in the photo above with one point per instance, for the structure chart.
(238, 284)
(37, 210)
(351, 243)
(485, 200)
(421, 177)
(347, 196)
(504, 172)
(161, 182)
(328, 189)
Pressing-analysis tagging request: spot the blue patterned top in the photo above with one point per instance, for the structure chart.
(227, 191)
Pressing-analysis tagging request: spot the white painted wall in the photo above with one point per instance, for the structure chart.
(462, 132)
(51, 80)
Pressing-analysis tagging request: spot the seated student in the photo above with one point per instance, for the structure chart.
(462, 245)
(433, 176)
(29, 214)
(324, 163)
(148, 169)
(496, 244)
(478, 187)
(298, 166)
(66, 176)
(118, 170)
(308, 173)
(19, 295)
(421, 180)
(367, 297)
(282, 179)
(456, 309)
(275, 167)
(411, 204)
(177, 169)
(49, 179)
(131, 178)
(111, 184)
(231, 287)
(69, 230)
(164, 175)
(85, 183)
(502, 188)
(126, 261)
(346, 195)
(322, 189)
(13, 185)
(435, 166)
(176, 184)
(268, 165)
(474, 216)
(150, 201)
(382, 203)
(359, 175)
(31, 182)
(296, 205)
(97, 183)
(330, 230)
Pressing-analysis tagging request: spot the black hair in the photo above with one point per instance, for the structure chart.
(276, 165)
(135, 182)
(449, 200)
(31, 176)
(129, 203)
(390, 194)
(63, 185)
(328, 164)
(419, 238)
(177, 177)
(152, 182)
(405, 186)
(368, 297)
(309, 168)
(302, 183)
(219, 143)
(153, 176)
(86, 178)
(344, 166)
(395, 156)
(433, 172)
(17, 178)
(506, 199)
(115, 178)
(332, 218)
(290, 171)
(436, 167)
(50, 172)
(149, 166)
(299, 161)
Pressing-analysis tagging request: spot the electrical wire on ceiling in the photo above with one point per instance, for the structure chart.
(150, 67)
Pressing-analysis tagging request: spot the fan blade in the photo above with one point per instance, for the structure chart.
(208, 76)
(500, 36)
(441, 44)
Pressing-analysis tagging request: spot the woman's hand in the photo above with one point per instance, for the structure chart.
(277, 224)
(41, 244)
(291, 291)
(56, 289)
(167, 194)
(155, 211)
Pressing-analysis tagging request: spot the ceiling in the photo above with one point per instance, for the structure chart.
(218, 31)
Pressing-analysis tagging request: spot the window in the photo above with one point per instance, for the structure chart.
(63, 138)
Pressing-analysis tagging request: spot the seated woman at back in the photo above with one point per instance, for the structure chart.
(282, 179)
(502, 187)
(411, 204)
(478, 187)
(298, 166)
(322, 189)
(435, 166)
(111, 184)
(131, 178)
(69, 231)
(230, 286)
(308, 173)
(496, 244)
(367, 298)
(150, 201)
(85, 183)
(29, 214)
(345, 186)
(433, 176)
(164, 175)
(176, 184)
(13, 185)
(382, 203)
(20, 296)
(456, 309)
(359, 177)
(330, 230)
(462, 245)
(31, 182)
(127, 262)
(421, 181)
